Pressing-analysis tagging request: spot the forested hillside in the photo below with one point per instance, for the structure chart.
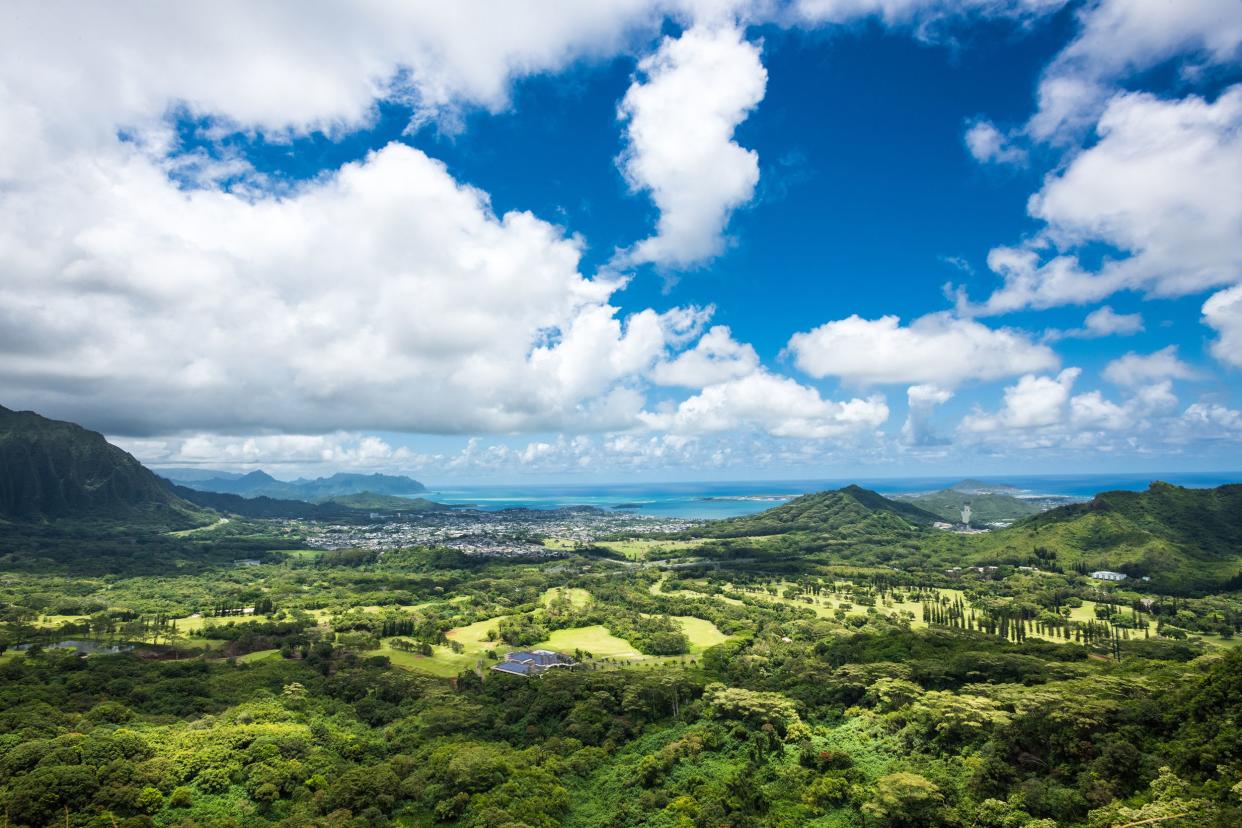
(261, 484)
(985, 507)
(1187, 536)
(51, 469)
(852, 510)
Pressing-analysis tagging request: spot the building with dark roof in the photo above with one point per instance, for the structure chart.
(533, 662)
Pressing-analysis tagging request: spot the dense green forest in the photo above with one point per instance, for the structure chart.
(813, 684)
(835, 661)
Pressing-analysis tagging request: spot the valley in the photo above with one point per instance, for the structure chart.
(833, 660)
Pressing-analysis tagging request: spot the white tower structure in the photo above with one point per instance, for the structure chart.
(966, 514)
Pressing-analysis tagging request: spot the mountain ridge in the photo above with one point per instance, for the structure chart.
(850, 509)
(259, 483)
(54, 469)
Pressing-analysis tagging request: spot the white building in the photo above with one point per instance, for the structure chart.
(1106, 575)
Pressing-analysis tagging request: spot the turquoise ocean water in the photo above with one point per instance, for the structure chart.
(727, 499)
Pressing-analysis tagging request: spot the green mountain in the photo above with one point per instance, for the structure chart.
(852, 510)
(266, 507)
(985, 508)
(1191, 536)
(261, 484)
(51, 469)
(386, 503)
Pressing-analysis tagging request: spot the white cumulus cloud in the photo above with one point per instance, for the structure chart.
(1151, 187)
(1223, 312)
(680, 117)
(921, 403)
(1118, 38)
(1134, 369)
(989, 145)
(386, 296)
(937, 348)
(1035, 401)
(773, 404)
(716, 357)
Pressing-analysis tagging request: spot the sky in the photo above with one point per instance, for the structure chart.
(629, 240)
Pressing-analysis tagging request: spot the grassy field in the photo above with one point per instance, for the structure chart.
(199, 529)
(443, 662)
(826, 604)
(328, 612)
(299, 554)
(701, 632)
(658, 589)
(578, 597)
(642, 549)
(474, 636)
(57, 620)
(194, 623)
(258, 655)
(595, 640)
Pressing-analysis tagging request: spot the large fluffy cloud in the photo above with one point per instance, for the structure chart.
(1152, 187)
(1223, 311)
(1101, 322)
(925, 15)
(1034, 402)
(776, 405)
(388, 296)
(285, 65)
(921, 403)
(1043, 412)
(680, 119)
(937, 348)
(1134, 369)
(715, 358)
(1118, 38)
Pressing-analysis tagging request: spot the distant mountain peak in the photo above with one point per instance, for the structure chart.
(851, 508)
(259, 483)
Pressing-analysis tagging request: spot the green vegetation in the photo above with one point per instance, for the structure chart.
(831, 662)
(850, 511)
(52, 469)
(985, 508)
(262, 484)
(384, 503)
(1188, 539)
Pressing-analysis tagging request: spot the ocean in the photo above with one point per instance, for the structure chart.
(728, 499)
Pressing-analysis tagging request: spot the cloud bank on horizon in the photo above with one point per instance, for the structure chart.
(214, 247)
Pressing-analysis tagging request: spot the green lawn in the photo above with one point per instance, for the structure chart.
(595, 640)
(578, 597)
(701, 632)
(258, 655)
(443, 662)
(57, 620)
(184, 532)
(474, 636)
(641, 549)
(194, 623)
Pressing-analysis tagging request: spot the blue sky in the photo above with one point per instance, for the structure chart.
(634, 241)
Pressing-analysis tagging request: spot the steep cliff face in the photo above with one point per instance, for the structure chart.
(51, 469)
